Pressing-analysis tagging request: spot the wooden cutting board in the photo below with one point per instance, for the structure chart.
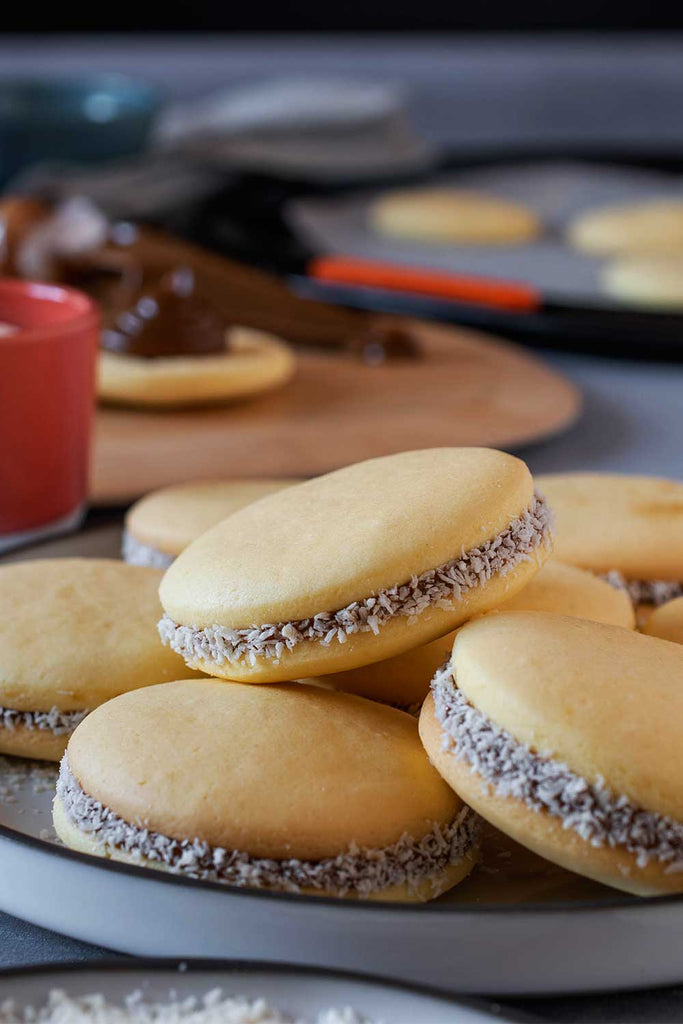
(467, 389)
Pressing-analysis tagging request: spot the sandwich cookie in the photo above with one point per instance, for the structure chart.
(655, 281)
(287, 787)
(73, 633)
(557, 588)
(628, 528)
(565, 734)
(355, 566)
(666, 622)
(653, 226)
(455, 216)
(165, 522)
(173, 347)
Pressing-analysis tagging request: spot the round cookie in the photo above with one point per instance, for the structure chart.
(630, 527)
(655, 281)
(557, 588)
(287, 787)
(453, 216)
(254, 363)
(74, 632)
(666, 622)
(326, 576)
(565, 734)
(652, 226)
(163, 523)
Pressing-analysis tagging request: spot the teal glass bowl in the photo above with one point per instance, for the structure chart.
(81, 120)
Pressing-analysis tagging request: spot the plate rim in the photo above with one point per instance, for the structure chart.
(620, 902)
(184, 966)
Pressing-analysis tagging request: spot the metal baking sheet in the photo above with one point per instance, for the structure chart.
(556, 191)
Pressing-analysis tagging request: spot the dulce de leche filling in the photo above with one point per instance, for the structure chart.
(439, 587)
(407, 862)
(59, 723)
(547, 785)
(168, 319)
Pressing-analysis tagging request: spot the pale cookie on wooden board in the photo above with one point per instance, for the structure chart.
(254, 363)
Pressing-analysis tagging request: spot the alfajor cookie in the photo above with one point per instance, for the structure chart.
(647, 280)
(163, 523)
(666, 622)
(287, 787)
(557, 588)
(565, 734)
(253, 362)
(629, 528)
(655, 225)
(73, 633)
(457, 216)
(356, 566)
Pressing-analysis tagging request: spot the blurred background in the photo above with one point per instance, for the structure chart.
(268, 136)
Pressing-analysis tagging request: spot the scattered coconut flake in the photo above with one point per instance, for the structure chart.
(17, 773)
(545, 784)
(408, 861)
(439, 587)
(212, 1008)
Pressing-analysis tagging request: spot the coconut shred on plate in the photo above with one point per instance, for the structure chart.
(212, 1008)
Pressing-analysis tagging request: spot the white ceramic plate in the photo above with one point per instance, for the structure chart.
(517, 925)
(296, 992)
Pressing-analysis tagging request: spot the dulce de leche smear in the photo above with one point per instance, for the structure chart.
(169, 319)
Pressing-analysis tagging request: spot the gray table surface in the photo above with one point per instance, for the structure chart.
(633, 412)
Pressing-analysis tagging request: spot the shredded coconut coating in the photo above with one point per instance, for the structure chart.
(439, 587)
(59, 723)
(358, 871)
(548, 785)
(655, 592)
(213, 1008)
(136, 553)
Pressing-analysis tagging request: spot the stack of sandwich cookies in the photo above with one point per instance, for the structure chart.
(565, 734)
(627, 528)
(74, 632)
(356, 566)
(252, 786)
(165, 522)
(561, 589)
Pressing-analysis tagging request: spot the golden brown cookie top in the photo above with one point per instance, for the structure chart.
(277, 771)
